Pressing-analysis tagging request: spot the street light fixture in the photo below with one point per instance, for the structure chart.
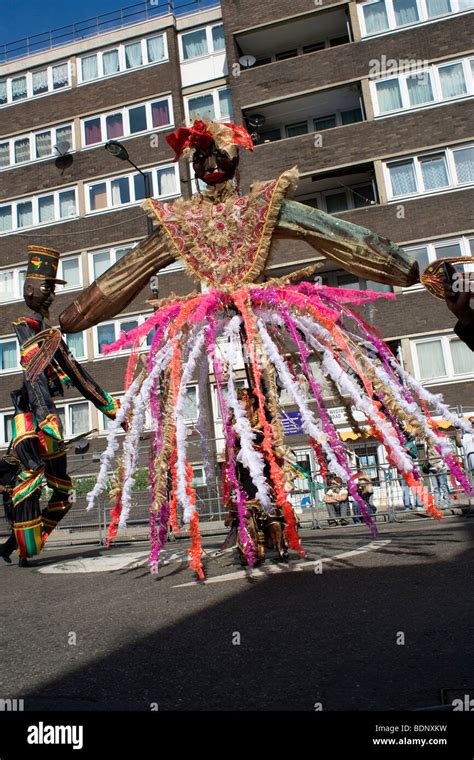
(118, 150)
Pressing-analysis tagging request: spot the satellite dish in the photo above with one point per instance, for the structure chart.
(256, 120)
(81, 447)
(62, 148)
(247, 61)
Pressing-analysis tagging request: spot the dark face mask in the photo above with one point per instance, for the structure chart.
(39, 295)
(214, 166)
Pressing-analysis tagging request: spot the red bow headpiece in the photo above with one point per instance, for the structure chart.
(201, 134)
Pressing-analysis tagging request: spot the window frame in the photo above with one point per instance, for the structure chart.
(209, 40)
(124, 111)
(31, 136)
(17, 368)
(431, 245)
(34, 200)
(29, 83)
(62, 259)
(423, 17)
(18, 287)
(85, 355)
(446, 340)
(120, 46)
(153, 170)
(216, 100)
(416, 160)
(117, 323)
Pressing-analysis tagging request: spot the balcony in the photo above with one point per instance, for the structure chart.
(306, 114)
(339, 191)
(295, 37)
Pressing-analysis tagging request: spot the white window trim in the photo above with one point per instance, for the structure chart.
(450, 377)
(392, 24)
(113, 256)
(120, 46)
(210, 44)
(129, 175)
(17, 287)
(216, 101)
(463, 242)
(5, 413)
(62, 260)
(416, 161)
(203, 471)
(310, 122)
(126, 122)
(31, 136)
(140, 318)
(322, 195)
(34, 199)
(67, 431)
(438, 98)
(18, 368)
(29, 84)
(84, 356)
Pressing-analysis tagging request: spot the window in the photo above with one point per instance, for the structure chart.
(75, 418)
(103, 260)
(124, 57)
(379, 16)
(9, 355)
(452, 167)
(6, 420)
(45, 209)
(70, 270)
(156, 114)
(336, 202)
(328, 122)
(297, 129)
(209, 105)
(441, 358)
(218, 40)
(199, 476)
(352, 116)
(120, 191)
(194, 44)
(32, 84)
(108, 332)
(287, 54)
(425, 253)
(414, 89)
(33, 146)
(76, 344)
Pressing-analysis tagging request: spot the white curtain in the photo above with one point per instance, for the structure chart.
(388, 95)
(452, 80)
(7, 285)
(8, 355)
(463, 358)
(40, 81)
(402, 177)
(431, 360)
(70, 273)
(101, 262)
(19, 88)
(75, 342)
(156, 49)
(166, 182)
(43, 144)
(438, 7)
(89, 68)
(46, 209)
(464, 5)
(3, 92)
(67, 204)
(194, 44)
(120, 191)
(464, 160)
(218, 37)
(4, 154)
(190, 403)
(64, 134)
(110, 61)
(105, 336)
(5, 218)
(60, 76)
(225, 103)
(376, 19)
(22, 150)
(24, 213)
(419, 89)
(133, 55)
(406, 11)
(79, 417)
(434, 172)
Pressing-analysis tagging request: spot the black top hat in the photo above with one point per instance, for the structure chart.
(43, 264)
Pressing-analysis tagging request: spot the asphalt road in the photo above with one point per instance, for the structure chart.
(93, 630)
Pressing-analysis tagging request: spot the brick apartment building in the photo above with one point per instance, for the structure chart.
(373, 101)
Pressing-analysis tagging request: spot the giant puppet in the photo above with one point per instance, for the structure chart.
(37, 434)
(224, 238)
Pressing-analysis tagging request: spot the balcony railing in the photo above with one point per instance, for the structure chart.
(106, 22)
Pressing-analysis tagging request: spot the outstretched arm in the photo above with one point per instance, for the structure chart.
(354, 248)
(117, 287)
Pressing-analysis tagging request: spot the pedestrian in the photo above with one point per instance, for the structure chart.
(466, 441)
(438, 473)
(336, 499)
(412, 450)
(366, 492)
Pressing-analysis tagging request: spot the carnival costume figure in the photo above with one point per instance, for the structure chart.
(278, 325)
(37, 434)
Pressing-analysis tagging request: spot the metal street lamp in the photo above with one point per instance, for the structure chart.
(119, 151)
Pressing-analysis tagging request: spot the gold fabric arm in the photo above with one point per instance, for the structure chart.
(117, 287)
(356, 249)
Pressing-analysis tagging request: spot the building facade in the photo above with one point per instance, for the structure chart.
(373, 101)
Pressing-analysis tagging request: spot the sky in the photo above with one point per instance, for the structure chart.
(21, 18)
